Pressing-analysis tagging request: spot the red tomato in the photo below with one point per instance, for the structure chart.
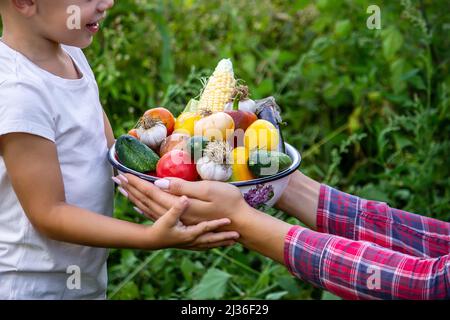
(177, 164)
(164, 115)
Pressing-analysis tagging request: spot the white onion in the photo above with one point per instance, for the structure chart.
(247, 105)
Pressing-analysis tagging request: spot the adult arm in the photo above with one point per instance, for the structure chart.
(348, 268)
(331, 211)
(363, 270)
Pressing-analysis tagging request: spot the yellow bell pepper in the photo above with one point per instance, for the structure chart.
(261, 135)
(185, 122)
(241, 172)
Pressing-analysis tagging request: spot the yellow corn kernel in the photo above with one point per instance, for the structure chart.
(219, 88)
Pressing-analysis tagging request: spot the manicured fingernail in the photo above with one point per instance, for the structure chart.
(138, 210)
(162, 184)
(123, 192)
(123, 178)
(116, 180)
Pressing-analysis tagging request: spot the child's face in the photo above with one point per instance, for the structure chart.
(70, 22)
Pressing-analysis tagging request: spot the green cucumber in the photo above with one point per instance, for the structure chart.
(264, 163)
(135, 155)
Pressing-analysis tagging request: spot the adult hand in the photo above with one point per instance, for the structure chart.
(208, 199)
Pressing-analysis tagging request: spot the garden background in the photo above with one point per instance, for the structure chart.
(368, 110)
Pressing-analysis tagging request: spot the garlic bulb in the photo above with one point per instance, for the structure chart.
(151, 132)
(216, 164)
(209, 170)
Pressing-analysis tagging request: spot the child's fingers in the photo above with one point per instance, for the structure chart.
(207, 226)
(172, 217)
(216, 237)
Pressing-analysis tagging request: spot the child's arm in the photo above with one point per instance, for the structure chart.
(108, 131)
(33, 168)
(109, 134)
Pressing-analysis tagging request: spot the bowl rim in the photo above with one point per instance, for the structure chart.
(293, 153)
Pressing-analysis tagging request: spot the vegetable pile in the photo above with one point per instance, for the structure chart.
(223, 136)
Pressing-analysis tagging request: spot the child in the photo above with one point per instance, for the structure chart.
(56, 192)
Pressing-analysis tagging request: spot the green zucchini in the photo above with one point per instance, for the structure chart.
(135, 155)
(264, 163)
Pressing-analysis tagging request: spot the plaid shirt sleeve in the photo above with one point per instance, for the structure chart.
(354, 218)
(363, 270)
(390, 255)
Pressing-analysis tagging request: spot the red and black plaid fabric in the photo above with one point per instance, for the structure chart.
(366, 250)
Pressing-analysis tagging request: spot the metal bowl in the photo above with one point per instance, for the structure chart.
(257, 192)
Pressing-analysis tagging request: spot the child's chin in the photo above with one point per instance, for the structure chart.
(80, 43)
(85, 44)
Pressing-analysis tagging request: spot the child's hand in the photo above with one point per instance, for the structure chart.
(169, 232)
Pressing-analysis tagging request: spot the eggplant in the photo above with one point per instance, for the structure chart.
(268, 109)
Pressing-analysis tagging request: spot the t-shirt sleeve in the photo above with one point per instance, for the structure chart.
(23, 109)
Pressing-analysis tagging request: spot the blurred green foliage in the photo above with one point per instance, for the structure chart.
(368, 110)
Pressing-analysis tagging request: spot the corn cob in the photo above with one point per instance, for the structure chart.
(219, 88)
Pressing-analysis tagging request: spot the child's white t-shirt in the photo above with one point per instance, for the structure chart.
(69, 113)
